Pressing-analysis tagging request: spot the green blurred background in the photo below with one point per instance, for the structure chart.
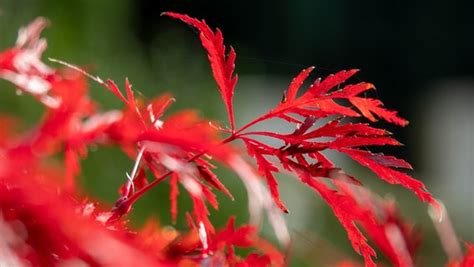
(418, 53)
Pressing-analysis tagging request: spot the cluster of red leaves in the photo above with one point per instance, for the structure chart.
(43, 222)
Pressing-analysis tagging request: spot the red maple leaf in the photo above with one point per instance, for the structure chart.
(222, 65)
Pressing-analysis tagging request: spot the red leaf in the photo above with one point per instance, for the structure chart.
(331, 107)
(353, 90)
(335, 128)
(157, 107)
(297, 82)
(321, 88)
(140, 180)
(210, 197)
(201, 213)
(367, 106)
(174, 192)
(222, 66)
(362, 141)
(71, 162)
(112, 86)
(389, 175)
(346, 211)
(389, 161)
(266, 169)
(322, 160)
(212, 179)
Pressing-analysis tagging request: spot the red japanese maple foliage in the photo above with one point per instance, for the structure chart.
(46, 221)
